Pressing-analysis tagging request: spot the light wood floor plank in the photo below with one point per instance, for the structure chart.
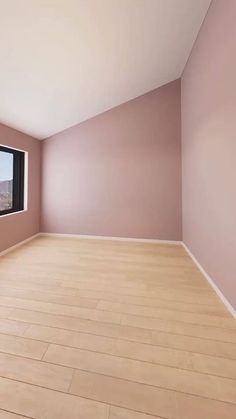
(12, 327)
(83, 325)
(193, 344)
(4, 311)
(168, 314)
(23, 347)
(147, 399)
(133, 350)
(8, 415)
(35, 372)
(212, 365)
(93, 329)
(118, 413)
(188, 295)
(177, 327)
(80, 312)
(39, 289)
(135, 328)
(111, 312)
(145, 373)
(41, 295)
(40, 403)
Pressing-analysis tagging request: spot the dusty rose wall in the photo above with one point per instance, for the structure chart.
(17, 227)
(118, 174)
(209, 147)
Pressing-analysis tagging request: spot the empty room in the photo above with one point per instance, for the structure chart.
(118, 209)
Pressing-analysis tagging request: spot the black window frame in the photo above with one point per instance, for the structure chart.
(18, 186)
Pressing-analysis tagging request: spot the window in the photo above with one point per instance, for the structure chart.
(12, 163)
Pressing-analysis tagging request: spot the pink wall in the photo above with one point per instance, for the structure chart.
(17, 227)
(209, 147)
(118, 174)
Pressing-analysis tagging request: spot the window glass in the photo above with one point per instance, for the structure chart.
(6, 180)
(12, 175)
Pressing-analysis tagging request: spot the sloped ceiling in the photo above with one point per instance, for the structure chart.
(64, 61)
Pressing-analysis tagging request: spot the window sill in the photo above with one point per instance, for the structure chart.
(13, 213)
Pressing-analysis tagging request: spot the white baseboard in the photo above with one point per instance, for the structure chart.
(126, 239)
(227, 304)
(10, 249)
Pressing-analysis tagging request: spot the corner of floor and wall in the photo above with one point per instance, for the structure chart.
(161, 166)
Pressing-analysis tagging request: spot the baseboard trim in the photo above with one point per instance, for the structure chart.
(224, 300)
(126, 239)
(10, 249)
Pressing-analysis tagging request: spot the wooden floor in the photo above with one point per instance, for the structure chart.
(112, 330)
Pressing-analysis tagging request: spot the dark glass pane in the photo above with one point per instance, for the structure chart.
(6, 180)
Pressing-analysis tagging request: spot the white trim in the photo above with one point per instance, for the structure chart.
(13, 148)
(211, 282)
(26, 179)
(10, 249)
(13, 213)
(127, 239)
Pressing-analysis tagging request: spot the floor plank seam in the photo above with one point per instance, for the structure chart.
(41, 359)
(147, 384)
(120, 357)
(114, 377)
(117, 378)
(150, 297)
(108, 353)
(48, 344)
(11, 317)
(17, 414)
(128, 340)
(72, 378)
(135, 295)
(223, 315)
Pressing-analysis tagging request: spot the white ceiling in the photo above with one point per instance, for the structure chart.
(64, 61)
